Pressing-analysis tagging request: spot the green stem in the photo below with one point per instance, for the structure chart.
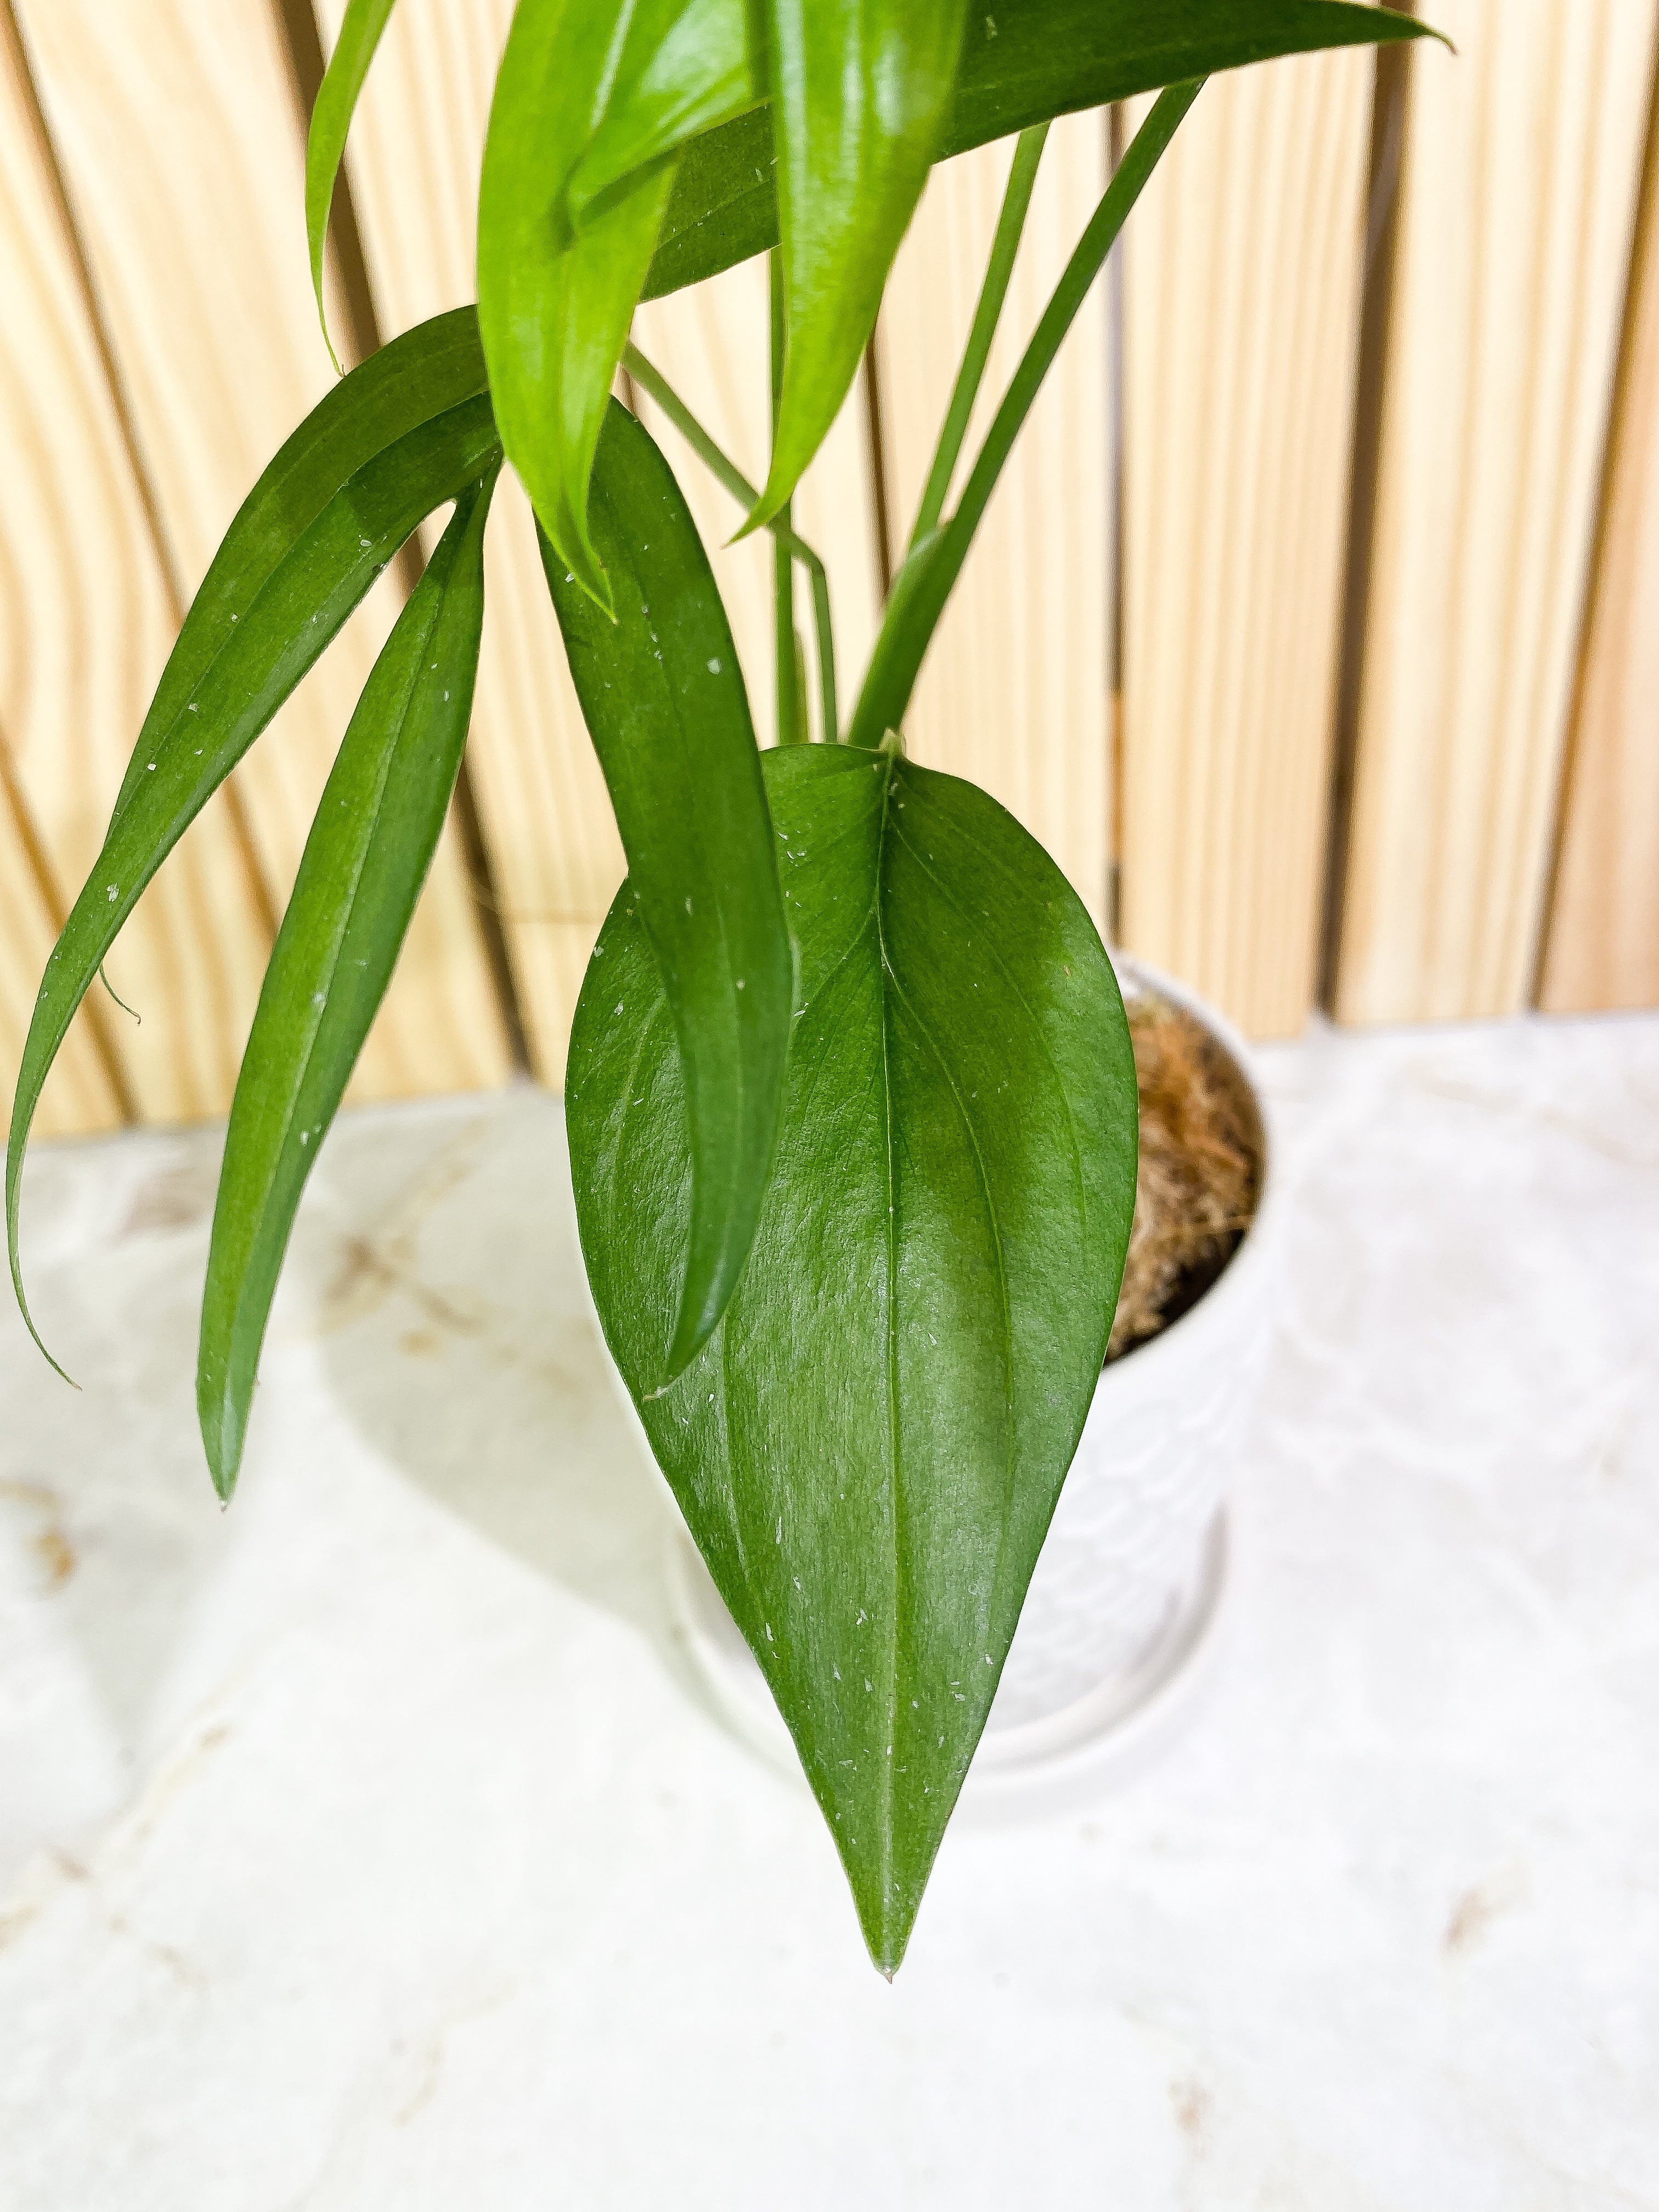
(1028, 152)
(727, 473)
(928, 575)
(791, 731)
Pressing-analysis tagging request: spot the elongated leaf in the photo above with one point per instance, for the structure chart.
(1023, 61)
(330, 119)
(860, 92)
(590, 106)
(869, 1449)
(408, 430)
(377, 828)
(665, 703)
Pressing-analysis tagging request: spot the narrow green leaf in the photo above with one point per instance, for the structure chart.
(377, 828)
(590, 107)
(665, 703)
(408, 430)
(1023, 61)
(869, 1448)
(860, 92)
(330, 119)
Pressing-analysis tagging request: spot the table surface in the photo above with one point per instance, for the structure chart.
(367, 1845)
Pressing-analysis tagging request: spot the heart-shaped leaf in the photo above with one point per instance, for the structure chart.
(665, 703)
(869, 1449)
(410, 430)
(377, 828)
(1023, 61)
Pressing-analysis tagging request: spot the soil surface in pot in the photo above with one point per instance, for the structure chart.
(1200, 1175)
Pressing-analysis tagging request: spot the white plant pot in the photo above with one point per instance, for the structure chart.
(1123, 1612)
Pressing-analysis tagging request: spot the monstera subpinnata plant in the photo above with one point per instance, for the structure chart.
(851, 1099)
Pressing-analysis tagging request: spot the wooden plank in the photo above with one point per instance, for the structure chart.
(413, 163)
(1014, 691)
(79, 1099)
(1603, 944)
(1241, 313)
(180, 142)
(1521, 162)
(86, 619)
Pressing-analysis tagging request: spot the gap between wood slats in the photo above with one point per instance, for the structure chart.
(1602, 946)
(1519, 186)
(181, 149)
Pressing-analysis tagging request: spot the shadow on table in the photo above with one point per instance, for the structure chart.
(444, 1272)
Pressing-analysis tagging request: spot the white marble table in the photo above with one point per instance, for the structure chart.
(367, 1846)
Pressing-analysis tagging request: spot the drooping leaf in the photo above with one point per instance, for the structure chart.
(590, 107)
(331, 120)
(1023, 61)
(377, 828)
(398, 437)
(665, 703)
(860, 89)
(870, 1447)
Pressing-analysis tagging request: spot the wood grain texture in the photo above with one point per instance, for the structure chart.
(1521, 162)
(180, 142)
(413, 161)
(1014, 692)
(85, 620)
(1602, 949)
(1241, 315)
(80, 1098)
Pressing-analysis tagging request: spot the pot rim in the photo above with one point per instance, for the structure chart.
(1238, 1279)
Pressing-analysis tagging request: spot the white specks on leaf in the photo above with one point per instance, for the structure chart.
(713, 668)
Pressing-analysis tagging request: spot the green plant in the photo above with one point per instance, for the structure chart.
(851, 1099)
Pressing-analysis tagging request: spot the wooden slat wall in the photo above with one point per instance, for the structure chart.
(180, 145)
(1603, 941)
(161, 344)
(1014, 692)
(86, 619)
(1241, 314)
(1517, 197)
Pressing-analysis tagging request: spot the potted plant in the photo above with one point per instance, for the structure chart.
(851, 1096)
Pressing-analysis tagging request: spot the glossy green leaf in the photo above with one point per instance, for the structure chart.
(860, 89)
(869, 1449)
(1023, 61)
(377, 828)
(665, 703)
(590, 106)
(398, 437)
(330, 119)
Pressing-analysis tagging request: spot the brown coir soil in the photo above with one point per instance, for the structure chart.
(1199, 1172)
